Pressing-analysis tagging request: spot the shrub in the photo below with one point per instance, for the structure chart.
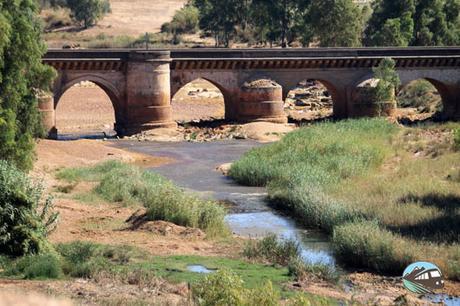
(185, 21)
(364, 244)
(420, 94)
(302, 270)
(221, 288)
(87, 259)
(227, 288)
(88, 11)
(37, 267)
(23, 229)
(273, 250)
(457, 139)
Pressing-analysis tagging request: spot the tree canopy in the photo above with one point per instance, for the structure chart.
(22, 77)
(333, 23)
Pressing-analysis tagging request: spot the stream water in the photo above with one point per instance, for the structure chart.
(195, 169)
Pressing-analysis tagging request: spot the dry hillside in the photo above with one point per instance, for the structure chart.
(135, 17)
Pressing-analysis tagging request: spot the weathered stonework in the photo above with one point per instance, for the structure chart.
(140, 83)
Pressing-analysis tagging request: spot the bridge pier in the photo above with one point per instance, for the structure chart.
(261, 103)
(48, 115)
(148, 92)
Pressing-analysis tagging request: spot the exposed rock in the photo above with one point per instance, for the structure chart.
(224, 168)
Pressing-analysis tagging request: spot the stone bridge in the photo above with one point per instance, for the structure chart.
(140, 83)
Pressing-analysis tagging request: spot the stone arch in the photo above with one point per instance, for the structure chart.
(179, 84)
(113, 93)
(106, 86)
(336, 95)
(440, 87)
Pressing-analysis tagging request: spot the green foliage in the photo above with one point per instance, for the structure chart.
(330, 176)
(365, 245)
(420, 94)
(334, 23)
(457, 139)
(388, 80)
(185, 21)
(221, 288)
(23, 229)
(391, 24)
(414, 22)
(22, 77)
(87, 259)
(130, 185)
(46, 266)
(220, 18)
(277, 20)
(315, 152)
(272, 249)
(302, 270)
(227, 288)
(88, 11)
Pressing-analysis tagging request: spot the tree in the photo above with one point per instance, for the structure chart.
(335, 23)
(22, 77)
(391, 24)
(23, 229)
(388, 80)
(279, 19)
(88, 11)
(221, 17)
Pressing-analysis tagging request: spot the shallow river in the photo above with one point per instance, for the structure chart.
(249, 215)
(195, 169)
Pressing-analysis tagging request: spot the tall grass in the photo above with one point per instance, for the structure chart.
(130, 185)
(359, 180)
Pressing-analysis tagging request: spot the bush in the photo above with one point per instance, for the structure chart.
(420, 94)
(302, 271)
(185, 21)
(457, 139)
(273, 250)
(37, 267)
(364, 244)
(23, 229)
(87, 259)
(88, 11)
(227, 288)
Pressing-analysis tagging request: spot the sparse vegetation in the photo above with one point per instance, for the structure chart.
(358, 180)
(46, 266)
(421, 95)
(457, 139)
(273, 250)
(129, 185)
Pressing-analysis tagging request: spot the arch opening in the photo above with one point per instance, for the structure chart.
(419, 100)
(310, 100)
(198, 100)
(85, 109)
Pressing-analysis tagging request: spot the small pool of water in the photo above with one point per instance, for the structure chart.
(443, 299)
(199, 269)
(314, 245)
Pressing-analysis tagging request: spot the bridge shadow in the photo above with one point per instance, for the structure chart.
(442, 229)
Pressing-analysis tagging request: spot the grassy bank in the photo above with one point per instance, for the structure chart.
(387, 195)
(126, 265)
(129, 185)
